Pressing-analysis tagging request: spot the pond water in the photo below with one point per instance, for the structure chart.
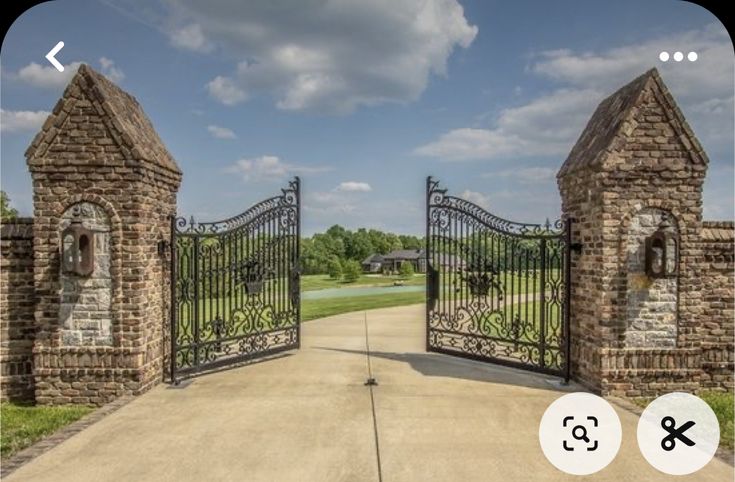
(358, 291)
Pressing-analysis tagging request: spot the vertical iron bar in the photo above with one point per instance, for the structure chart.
(567, 298)
(173, 306)
(542, 302)
(427, 247)
(195, 321)
(298, 259)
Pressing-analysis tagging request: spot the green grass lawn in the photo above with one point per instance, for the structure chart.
(23, 425)
(314, 282)
(722, 403)
(312, 309)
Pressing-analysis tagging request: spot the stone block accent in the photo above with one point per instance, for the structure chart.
(17, 305)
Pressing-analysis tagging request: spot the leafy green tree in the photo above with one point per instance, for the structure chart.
(351, 271)
(406, 271)
(7, 212)
(334, 268)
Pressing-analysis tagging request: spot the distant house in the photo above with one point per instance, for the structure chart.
(378, 263)
(392, 261)
(373, 263)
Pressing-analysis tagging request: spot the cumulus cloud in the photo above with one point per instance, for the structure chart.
(476, 197)
(221, 132)
(270, 168)
(548, 125)
(22, 120)
(112, 72)
(190, 37)
(47, 77)
(326, 56)
(353, 186)
(545, 126)
(226, 91)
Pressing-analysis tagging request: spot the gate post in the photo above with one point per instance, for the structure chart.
(104, 185)
(636, 170)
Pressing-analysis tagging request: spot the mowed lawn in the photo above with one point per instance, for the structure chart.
(23, 425)
(313, 282)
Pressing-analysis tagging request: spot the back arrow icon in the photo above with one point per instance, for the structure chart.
(50, 56)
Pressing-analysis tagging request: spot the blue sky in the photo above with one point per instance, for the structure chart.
(363, 100)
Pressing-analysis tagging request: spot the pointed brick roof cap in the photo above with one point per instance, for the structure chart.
(614, 119)
(122, 114)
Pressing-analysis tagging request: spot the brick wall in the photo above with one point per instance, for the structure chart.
(16, 310)
(718, 304)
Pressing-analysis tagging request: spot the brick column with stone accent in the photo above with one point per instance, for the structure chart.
(636, 164)
(99, 162)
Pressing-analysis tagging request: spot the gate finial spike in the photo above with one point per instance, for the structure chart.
(548, 224)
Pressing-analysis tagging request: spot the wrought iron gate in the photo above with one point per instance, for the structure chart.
(496, 289)
(235, 285)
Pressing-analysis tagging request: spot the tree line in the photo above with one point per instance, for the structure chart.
(322, 252)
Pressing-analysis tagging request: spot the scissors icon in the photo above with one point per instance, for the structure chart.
(668, 443)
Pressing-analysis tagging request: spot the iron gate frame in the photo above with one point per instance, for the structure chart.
(248, 272)
(438, 202)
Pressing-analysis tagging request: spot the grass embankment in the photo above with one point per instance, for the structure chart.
(23, 425)
(312, 309)
(723, 404)
(315, 282)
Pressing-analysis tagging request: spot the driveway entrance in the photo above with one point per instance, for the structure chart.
(308, 416)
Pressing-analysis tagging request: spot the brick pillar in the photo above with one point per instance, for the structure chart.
(636, 163)
(99, 163)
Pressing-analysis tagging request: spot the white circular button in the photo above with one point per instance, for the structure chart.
(692, 56)
(663, 56)
(678, 56)
(678, 433)
(580, 433)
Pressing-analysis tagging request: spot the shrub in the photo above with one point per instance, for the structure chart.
(334, 268)
(351, 271)
(406, 269)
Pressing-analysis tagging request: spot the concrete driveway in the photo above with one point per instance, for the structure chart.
(307, 416)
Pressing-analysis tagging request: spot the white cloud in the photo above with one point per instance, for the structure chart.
(111, 72)
(47, 77)
(353, 186)
(545, 126)
(22, 120)
(221, 132)
(190, 37)
(476, 197)
(226, 91)
(550, 124)
(328, 56)
(526, 175)
(270, 168)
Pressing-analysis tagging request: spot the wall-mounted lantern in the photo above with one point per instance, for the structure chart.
(661, 252)
(77, 249)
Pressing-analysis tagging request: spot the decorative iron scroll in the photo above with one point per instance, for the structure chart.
(496, 288)
(235, 285)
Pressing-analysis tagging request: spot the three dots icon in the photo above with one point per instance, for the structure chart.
(677, 56)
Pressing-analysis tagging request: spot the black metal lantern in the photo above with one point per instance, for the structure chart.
(77, 249)
(661, 252)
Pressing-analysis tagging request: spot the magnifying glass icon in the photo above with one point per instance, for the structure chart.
(583, 435)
